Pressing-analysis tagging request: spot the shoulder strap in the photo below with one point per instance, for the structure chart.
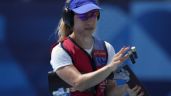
(100, 55)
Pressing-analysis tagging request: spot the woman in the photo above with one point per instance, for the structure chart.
(82, 60)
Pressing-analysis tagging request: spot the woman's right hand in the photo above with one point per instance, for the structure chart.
(136, 91)
(119, 58)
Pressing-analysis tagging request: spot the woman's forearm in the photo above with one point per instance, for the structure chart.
(88, 80)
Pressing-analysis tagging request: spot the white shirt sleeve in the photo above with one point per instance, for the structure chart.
(111, 52)
(59, 58)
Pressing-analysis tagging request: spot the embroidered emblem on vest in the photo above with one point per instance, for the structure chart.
(100, 57)
(100, 53)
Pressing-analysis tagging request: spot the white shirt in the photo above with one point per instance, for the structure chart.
(59, 57)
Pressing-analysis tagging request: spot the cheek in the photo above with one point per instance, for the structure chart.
(78, 24)
(78, 27)
(93, 21)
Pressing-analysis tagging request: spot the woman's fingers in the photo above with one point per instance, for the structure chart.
(141, 94)
(135, 88)
(136, 91)
(119, 51)
(131, 92)
(122, 51)
(120, 57)
(124, 57)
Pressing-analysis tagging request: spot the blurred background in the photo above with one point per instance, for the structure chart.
(27, 32)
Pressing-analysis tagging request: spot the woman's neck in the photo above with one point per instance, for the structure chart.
(85, 42)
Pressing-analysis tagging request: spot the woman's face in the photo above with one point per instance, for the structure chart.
(85, 23)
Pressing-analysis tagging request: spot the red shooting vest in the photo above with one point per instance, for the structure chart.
(85, 63)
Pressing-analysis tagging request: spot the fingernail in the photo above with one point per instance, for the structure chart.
(129, 46)
(124, 46)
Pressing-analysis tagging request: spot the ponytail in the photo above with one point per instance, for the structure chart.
(63, 30)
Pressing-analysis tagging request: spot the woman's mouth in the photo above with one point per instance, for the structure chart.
(89, 28)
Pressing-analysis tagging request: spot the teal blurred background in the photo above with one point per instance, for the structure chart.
(27, 32)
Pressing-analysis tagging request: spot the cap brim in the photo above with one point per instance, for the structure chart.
(85, 8)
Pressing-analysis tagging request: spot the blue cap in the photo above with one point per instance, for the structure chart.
(83, 6)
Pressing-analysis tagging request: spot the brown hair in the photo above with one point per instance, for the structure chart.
(63, 30)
